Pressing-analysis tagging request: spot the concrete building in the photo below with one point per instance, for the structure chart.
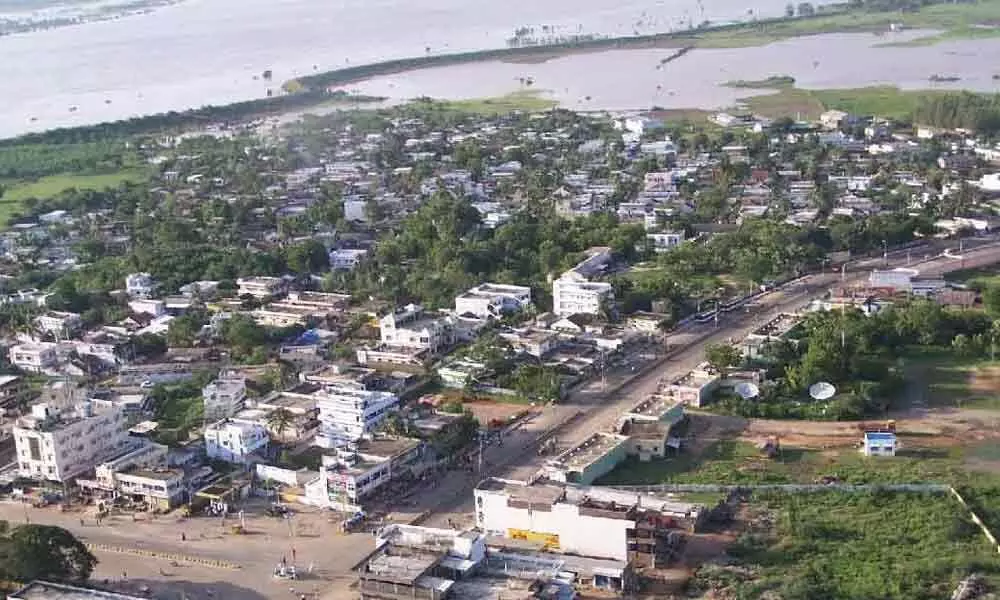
(60, 443)
(61, 325)
(492, 300)
(586, 462)
(140, 285)
(346, 413)
(37, 357)
(235, 440)
(261, 287)
(44, 590)
(12, 388)
(355, 473)
(224, 397)
(666, 240)
(347, 259)
(413, 328)
(695, 388)
(600, 522)
(572, 294)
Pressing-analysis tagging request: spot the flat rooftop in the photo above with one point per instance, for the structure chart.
(41, 590)
(399, 565)
(387, 447)
(654, 406)
(540, 494)
(590, 450)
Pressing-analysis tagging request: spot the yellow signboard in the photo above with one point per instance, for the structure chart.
(549, 540)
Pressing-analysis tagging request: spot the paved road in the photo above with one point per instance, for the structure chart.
(595, 409)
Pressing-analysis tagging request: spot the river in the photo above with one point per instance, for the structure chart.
(203, 52)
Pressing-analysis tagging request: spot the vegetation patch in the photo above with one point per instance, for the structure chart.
(774, 81)
(852, 545)
(524, 101)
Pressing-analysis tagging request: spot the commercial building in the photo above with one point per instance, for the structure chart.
(60, 443)
(492, 300)
(649, 426)
(355, 473)
(225, 396)
(413, 328)
(235, 440)
(600, 522)
(573, 294)
(34, 357)
(589, 460)
(346, 413)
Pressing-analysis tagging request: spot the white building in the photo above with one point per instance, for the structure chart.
(411, 327)
(234, 440)
(666, 240)
(59, 324)
(224, 397)
(353, 474)
(34, 357)
(347, 259)
(492, 300)
(346, 413)
(573, 294)
(58, 444)
(140, 285)
(879, 443)
(260, 287)
(147, 306)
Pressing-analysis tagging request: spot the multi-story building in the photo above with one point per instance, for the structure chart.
(61, 443)
(224, 397)
(355, 473)
(346, 413)
(12, 388)
(412, 328)
(140, 474)
(235, 440)
(60, 324)
(573, 294)
(140, 285)
(347, 259)
(492, 300)
(666, 240)
(34, 357)
(261, 287)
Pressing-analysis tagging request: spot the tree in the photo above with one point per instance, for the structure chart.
(279, 420)
(243, 334)
(45, 552)
(307, 257)
(806, 9)
(183, 330)
(722, 356)
(790, 10)
(991, 300)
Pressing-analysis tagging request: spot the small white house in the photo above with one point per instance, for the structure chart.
(235, 440)
(877, 443)
(140, 285)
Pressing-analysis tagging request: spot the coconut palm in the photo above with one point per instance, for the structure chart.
(280, 420)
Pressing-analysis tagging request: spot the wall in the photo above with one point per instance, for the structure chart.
(272, 473)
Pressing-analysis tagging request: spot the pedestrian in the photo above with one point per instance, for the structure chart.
(124, 575)
(293, 554)
(183, 537)
(81, 522)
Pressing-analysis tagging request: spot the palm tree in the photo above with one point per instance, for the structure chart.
(279, 420)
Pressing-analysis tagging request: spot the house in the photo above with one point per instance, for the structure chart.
(696, 387)
(573, 294)
(833, 119)
(354, 473)
(140, 285)
(663, 242)
(648, 322)
(37, 357)
(347, 259)
(492, 300)
(261, 287)
(153, 308)
(348, 412)
(411, 327)
(225, 396)
(141, 475)
(59, 324)
(235, 440)
(879, 443)
(200, 289)
(12, 388)
(536, 342)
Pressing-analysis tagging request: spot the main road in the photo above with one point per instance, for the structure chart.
(597, 405)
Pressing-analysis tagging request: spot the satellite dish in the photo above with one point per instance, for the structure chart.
(822, 391)
(747, 390)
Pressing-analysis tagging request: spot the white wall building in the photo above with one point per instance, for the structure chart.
(34, 357)
(260, 287)
(411, 327)
(235, 440)
(59, 324)
(140, 285)
(492, 300)
(666, 240)
(572, 294)
(224, 397)
(347, 259)
(58, 444)
(346, 413)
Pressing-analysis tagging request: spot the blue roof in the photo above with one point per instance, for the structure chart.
(877, 436)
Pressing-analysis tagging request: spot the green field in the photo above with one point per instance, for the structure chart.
(47, 187)
(773, 82)
(731, 462)
(883, 101)
(847, 546)
(525, 101)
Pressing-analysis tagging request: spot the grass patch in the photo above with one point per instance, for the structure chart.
(524, 101)
(846, 546)
(732, 462)
(977, 279)
(772, 82)
(53, 185)
(884, 101)
(790, 102)
(942, 379)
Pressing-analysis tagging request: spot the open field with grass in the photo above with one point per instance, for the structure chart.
(977, 279)
(773, 82)
(47, 187)
(526, 101)
(884, 101)
(838, 545)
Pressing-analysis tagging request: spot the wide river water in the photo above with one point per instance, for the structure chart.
(212, 51)
(635, 79)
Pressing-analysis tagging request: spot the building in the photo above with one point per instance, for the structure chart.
(879, 443)
(34, 357)
(492, 300)
(12, 389)
(44, 590)
(140, 285)
(665, 241)
(412, 328)
(356, 472)
(225, 396)
(261, 287)
(586, 462)
(572, 294)
(235, 440)
(60, 443)
(347, 259)
(61, 325)
(696, 387)
(600, 522)
(346, 413)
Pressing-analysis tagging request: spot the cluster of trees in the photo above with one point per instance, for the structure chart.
(858, 355)
(978, 112)
(29, 552)
(30, 161)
